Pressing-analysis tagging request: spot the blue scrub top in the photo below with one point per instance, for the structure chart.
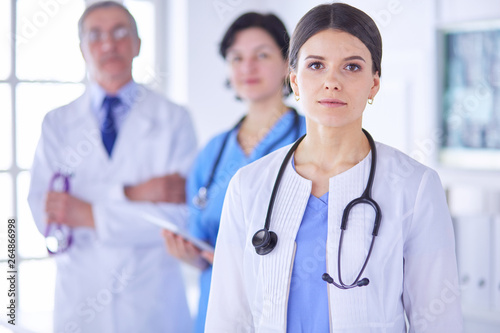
(308, 296)
(204, 224)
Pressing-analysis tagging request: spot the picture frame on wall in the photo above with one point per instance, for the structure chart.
(469, 103)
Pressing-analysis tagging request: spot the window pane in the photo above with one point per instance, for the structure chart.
(36, 295)
(144, 70)
(5, 126)
(47, 40)
(31, 242)
(6, 39)
(6, 208)
(33, 101)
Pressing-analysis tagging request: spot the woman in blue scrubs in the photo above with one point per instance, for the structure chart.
(255, 49)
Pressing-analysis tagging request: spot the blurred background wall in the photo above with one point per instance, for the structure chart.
(41, 68)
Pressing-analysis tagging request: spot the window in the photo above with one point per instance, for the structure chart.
(41, 68)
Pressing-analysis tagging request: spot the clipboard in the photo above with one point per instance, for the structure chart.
(204, 246)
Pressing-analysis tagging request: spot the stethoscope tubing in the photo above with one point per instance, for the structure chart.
(262, 240)
(202, 196)
(56, 226)
(354, 284)
(278, 181)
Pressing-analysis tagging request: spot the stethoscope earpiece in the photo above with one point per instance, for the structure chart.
(363, 282)
(264, 241)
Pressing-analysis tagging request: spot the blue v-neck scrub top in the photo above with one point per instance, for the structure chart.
(308, 296)
(204, 223)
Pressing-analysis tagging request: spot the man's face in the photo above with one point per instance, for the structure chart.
(109, 45)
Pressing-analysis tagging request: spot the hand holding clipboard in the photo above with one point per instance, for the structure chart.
(182, 245)
(186, 251)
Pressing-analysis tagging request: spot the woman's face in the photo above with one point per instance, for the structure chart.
(334, 78)
(256, 66)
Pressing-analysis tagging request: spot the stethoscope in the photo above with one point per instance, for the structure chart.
(200, 200)
(265, 241)
(58, 237)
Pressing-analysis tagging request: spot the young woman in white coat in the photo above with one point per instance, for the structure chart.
(295, 253)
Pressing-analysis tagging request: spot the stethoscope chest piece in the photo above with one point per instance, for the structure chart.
(264, 241)
(200, 200)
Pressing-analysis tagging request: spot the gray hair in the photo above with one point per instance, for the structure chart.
(106, 4)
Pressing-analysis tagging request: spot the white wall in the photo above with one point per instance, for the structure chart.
(453, 11)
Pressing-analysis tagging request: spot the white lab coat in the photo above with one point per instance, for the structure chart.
(118, 277)
(412, 267)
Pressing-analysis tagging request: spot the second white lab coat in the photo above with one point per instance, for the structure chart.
(118, 277)
(412, 267)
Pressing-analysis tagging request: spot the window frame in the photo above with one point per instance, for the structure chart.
(13, 171)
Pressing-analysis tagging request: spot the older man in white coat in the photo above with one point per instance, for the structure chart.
(126, 149)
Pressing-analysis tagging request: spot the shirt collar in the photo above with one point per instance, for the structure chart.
(127, 95)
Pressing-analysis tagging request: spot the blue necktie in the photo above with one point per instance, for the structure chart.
(108, 130)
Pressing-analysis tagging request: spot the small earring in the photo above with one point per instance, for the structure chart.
(370, 101)
(297, 97)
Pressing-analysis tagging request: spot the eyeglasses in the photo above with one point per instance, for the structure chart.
(117, 34)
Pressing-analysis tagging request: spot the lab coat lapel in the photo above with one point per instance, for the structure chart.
(84, 139)
(86, 128)
(289, 207)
